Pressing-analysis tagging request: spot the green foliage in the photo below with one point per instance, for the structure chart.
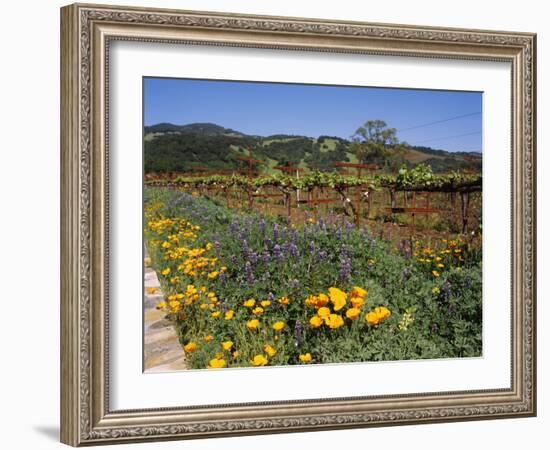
(433, 315)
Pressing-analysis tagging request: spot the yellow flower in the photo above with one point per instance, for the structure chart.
(175, 306)
(151, 290)
(190, 347)
(227, 345)
(334, 321)
(258, 310)
(278, 326)
(311, 300)
(166, 244)
(337, 297)
(270, 350)
(207, 338)
(161, 305)
(259, 360)
(253, 324)
(435, 273)
(216, 314)
(315, 321)
(249, 303)
(265, 303)
(353, 313)
(372, 318)
(357, 302)
(305, 358)
(440, 265)
(376, 316)
(284, 301)
(358, 292)
(212, 275)
(203, 306)
(436, 290)
(229, 314)
(166, 271)
(322, 300)
(323, 312)
(235, 354)
(216, 363)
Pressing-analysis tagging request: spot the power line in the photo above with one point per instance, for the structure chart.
(448, 137)
(440, 121)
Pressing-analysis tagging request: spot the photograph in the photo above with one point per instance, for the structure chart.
(300, 224)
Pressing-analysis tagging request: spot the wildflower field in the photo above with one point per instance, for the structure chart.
(246, 289)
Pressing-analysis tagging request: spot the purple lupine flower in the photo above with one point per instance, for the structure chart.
(266, 257)
(349, 227)
(298, 338)
(274, 304)
(249, 274)
(294, 234)
(223, 305)
(446, 291)
(234, 227)
(278, 254)
(233, 260)
(275, 232)
(221, 277)
(261, 223)
(312, 247)
(345, 269)
(293, 284)
(253, 257)
(294, 250)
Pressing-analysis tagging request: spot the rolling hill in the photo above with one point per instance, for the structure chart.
(207, 147)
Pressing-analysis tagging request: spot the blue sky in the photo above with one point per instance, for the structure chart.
(312, 110)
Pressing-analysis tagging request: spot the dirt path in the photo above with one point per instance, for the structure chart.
(161, 349)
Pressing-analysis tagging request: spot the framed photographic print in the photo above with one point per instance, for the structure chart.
(279, 224)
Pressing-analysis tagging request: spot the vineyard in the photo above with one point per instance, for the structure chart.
(318, 267)
(411, 192)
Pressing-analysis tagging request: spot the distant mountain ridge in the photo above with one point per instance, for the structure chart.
(208, 129)
(211, 147)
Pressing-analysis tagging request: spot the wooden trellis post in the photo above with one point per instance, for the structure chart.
(465, 204)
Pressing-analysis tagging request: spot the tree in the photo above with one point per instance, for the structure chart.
(374, 141)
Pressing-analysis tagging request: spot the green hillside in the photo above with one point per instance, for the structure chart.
(210, 147)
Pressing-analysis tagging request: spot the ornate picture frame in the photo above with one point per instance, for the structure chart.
(87, 31)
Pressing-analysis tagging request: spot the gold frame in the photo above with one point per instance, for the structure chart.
(86, 31)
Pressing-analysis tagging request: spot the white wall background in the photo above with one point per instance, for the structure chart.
(29, 221)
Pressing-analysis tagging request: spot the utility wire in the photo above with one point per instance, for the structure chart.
(448, 137)
(440, 121)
